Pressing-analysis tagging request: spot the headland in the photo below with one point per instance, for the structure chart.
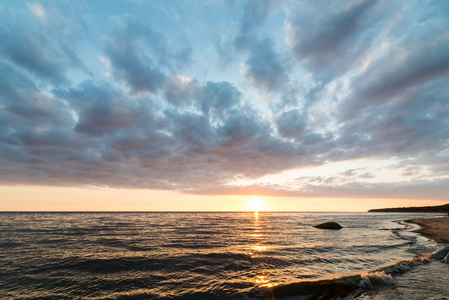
(418, 209)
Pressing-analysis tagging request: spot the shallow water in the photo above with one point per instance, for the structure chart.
(191, 255)
(425, 282)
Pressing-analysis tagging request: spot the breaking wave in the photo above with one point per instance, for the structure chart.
(349, 286)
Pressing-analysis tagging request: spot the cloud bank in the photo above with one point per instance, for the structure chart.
(125, 101)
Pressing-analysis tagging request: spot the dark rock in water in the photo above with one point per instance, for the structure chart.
(328, 225)
(446, 259)
(318, 289)
(441, 254)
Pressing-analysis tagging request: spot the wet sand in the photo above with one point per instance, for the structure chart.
(434, 228)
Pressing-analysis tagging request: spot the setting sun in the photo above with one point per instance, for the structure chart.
(256, 204)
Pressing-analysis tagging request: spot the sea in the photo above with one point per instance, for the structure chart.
(215, 255)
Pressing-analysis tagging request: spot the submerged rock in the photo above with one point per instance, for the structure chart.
(446, 259)
(441, 254)
(328, 225)
(330, 288)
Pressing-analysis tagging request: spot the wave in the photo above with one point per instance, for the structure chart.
(349, 286)
(201, 263)
(10, 244)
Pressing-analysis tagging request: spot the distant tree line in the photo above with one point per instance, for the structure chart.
(425, 209)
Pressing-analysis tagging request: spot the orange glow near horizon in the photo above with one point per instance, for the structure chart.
(47, 198)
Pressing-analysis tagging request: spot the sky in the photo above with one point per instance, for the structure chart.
(223, 105)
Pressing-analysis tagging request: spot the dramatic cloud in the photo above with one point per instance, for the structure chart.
(330, 39)
(341, 99)
(265, 68)
(140, 55)
(48, 43)
(254, 14)
(291, 124)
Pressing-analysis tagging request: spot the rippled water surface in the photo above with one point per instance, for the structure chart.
(190, 255)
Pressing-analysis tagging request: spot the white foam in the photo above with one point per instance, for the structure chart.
(369, 280)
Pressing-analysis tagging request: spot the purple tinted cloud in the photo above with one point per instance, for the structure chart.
(332, 82)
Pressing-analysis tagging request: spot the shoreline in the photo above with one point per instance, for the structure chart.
(436, 229)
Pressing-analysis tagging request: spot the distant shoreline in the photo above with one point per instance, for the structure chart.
(434, 228)
(419, 209)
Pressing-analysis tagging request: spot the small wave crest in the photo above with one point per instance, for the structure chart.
(369, 280)
(347, 286)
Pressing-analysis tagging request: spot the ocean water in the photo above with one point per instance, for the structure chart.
(197, 255)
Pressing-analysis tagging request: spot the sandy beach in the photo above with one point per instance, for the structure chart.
(434, 228)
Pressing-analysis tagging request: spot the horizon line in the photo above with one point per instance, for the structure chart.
(174, 211)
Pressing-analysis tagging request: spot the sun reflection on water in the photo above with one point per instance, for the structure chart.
(262, 280)
(257, 235)
(258, 249)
